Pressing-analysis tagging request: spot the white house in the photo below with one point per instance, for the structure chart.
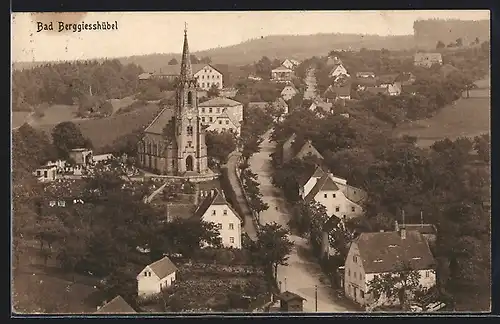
(281, 74)
(215, 209)
(288, 92)
(208, 76)
(46, 173)
(223, 123)
(328, 192)
(155, 277)
(373, 254)
(228, 110)
(290, 64)
(338, 70)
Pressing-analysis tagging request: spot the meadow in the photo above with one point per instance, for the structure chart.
(468, 117)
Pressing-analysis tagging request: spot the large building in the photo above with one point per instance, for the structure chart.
(207, 76)
(174, 142)
(222, 114)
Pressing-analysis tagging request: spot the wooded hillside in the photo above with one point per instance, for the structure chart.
(429, 32)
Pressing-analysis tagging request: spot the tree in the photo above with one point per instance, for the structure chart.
(173, 61)
(440, 45)
(220, 145)
(483, 147)
(401, 284)
(206, 60)
(67, 136)
(459, 42)
(194, 59)
(273, 246)
(213, 91)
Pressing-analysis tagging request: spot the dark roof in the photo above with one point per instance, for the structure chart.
(409, 88)
(160, 121)
(331, 223)
(288, 296)
(333, 92)
(377, 90)
(163, 267)
(324, 183)
(384, 251)
(306, 149)
(216, 199)
(421, 228)
(116, 306)
(304, 177)
(387, 78)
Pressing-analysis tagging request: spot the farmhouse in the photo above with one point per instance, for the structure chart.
(117, 305)
(155, 277)
(429, 231)
(288, 92)
(216, 210)
(327, 192)
(427, 59)
(206, 75)
(338, 70)
(46, 173)
(221, 114)
(380, 253)
(294, 148)
(281, 74)
(174, 142)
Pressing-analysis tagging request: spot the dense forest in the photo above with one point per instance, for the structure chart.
(429, 32)
(67, 83)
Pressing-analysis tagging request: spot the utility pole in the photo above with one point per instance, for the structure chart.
(316, 297)
(285, 283)
(280, 285)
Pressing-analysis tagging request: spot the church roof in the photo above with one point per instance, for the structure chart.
(162, 119)
(220, 102)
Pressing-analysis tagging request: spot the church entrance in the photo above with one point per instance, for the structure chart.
(189, 163)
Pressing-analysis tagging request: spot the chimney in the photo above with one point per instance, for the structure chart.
(396, 226)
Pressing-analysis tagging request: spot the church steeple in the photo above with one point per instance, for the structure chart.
(186, 71)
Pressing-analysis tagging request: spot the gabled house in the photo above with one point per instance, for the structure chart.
(307, 149)
(290, 64)
(328, 193)
(427, 59)
(394, 89)
(337, 71)
(372, 254)
(215, 209)
(155, 277)
(281, 74)
(333, 93)
(46, 173)
(288, 92)
(207, 75)
(145, 76)
(307, 181)
(117, 305)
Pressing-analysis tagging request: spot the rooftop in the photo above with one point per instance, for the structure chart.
(160, 121)
(220, 102)
(288, 296)
(163, 267)
(213, 198)
(174, 70)
(384, 251)
(117, 305)
(324, 183)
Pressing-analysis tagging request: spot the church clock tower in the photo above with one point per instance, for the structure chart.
(190, 137)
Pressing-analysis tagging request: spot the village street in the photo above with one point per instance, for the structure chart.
(310, 80)
(302, 274)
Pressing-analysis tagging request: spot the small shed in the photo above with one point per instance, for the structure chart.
(291, 302)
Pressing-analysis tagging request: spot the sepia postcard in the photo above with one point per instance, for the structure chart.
(251, 162)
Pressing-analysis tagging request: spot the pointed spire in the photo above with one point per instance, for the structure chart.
(186, 71)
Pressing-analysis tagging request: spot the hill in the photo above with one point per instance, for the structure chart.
(275, 46)
(428, 32)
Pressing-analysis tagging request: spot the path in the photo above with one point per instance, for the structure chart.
(249, 227)
(310, 80)
(302, 274)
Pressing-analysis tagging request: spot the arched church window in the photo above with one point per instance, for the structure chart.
(190, 98)
(190, 130)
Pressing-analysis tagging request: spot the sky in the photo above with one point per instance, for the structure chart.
(140, 33)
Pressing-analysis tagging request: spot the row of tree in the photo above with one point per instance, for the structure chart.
(66, 83)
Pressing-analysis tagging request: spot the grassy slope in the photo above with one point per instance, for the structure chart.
(104, 131)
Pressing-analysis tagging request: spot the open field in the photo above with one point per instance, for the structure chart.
(56, 114)
(466, 117)
(45, 289)
(120, 103)
(104, 131)
(19, 117)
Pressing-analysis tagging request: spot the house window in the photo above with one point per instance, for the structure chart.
(203, 77)
(427, 274)
(334, 195)
(231, 239)
(38, 173)
(231, 226)
(349, 272)
(337, 208)
(211, 119)
(190, 144)
(353, 209)
(61, 203)
(203, 84)
(227, 122)
(145, 274)
(325, 195)
(218, 110)
(354, 259)
(362, 293)
(219, 226)
(203, 110)
(354, 275)
(220, 122)
(213, 76)
(225, 212)
(45, 174)
(210, 110)
(203, 119)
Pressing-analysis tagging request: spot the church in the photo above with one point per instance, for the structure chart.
(174, 142)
